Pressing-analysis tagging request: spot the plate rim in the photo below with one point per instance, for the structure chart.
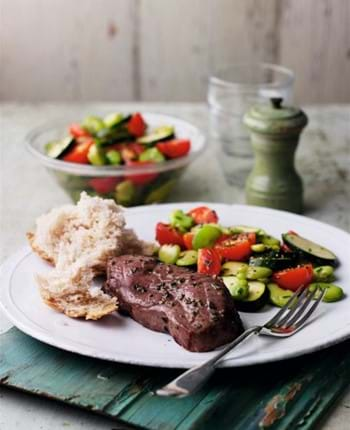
(8, 267)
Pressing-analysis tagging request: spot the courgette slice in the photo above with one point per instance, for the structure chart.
(169, 253)
(278, 296)
(187, 258)
(231, 268)
(246, 229)
(159, 134)
(258, 296)
(56, 148)
(274, 260)
(310, 250)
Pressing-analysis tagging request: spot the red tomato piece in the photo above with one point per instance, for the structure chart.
(136, 125)
(209, 261)
(188, 239)
(136, 147)
(174, 148)
(79, 152)
(103, 185)
(203, 215)
(142, 178)
(294, 278)
(165, 234)
(233, 248)
(76, 130)
(251, 237)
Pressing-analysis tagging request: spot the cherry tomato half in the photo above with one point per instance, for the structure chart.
(294, 278)
(136, 125)
(188, 239)
(142, 178)
(165, 234)
(209, 261)
(76, 130)
(103, 185)
(234, 248)
(79, 151)
(174, 148)
(203, 215)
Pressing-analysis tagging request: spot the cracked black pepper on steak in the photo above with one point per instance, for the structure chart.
(196, 309)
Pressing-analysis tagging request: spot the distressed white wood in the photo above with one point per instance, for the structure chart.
(66, 50)
(70, 50)
(173, 49)
(315, 42)
(242, 31)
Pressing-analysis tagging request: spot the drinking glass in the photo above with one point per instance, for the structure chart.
(232, 91)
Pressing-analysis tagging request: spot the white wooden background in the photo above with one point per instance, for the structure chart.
(77, 50)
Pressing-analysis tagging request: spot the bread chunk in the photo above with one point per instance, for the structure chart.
(78, 240)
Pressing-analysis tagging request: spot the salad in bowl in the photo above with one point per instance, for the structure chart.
(133, 158)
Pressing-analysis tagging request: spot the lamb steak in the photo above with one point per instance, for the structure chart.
(195, 309)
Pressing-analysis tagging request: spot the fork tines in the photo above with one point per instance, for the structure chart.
(296, 311)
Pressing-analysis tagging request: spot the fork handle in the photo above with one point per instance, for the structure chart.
(193, 379)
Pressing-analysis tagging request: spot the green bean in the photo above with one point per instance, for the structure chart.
(238, 288)
(324, 274)
(125, 193)
(96, 156)
(113, 157)
(93, 124)
(181, 221)
(258, 247)
(152, 154)
(270, 242)
(333, 292)
(113, 119)
(258, 272)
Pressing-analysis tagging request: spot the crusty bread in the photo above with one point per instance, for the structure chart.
(78, 240)
(71, 292)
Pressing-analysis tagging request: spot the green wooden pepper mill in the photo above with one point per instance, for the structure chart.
(275, 132)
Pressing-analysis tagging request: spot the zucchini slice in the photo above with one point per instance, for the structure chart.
(258, 296)
(169, 254)
(278, 296)
(187, 258)
(274, 260)
(161, 133)
(310, 250)
(231, 268)
(56, 148)
(246, 229)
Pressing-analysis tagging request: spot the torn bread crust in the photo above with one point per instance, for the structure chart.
(80, 304)
(78, 240)
(41, 253)
(71, 292)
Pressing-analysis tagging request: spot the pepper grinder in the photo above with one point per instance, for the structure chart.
(274, 132)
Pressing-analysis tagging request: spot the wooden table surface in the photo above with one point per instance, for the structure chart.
(27, 190)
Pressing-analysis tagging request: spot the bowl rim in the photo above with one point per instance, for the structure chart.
(90, 170)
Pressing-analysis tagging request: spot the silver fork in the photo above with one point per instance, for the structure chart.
(287, 321)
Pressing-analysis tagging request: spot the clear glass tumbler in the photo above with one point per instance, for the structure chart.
(232, 91)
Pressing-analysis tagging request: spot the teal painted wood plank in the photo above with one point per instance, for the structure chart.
(279, 396)
(79, 380)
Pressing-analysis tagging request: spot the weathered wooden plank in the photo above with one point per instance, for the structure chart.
(173, 49)
(242, 31)
(283, 395)
(64, 50)
(315, 43)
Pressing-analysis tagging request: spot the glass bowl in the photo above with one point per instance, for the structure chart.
(127, 185)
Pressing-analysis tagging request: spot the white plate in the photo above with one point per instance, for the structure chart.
(120, 339)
